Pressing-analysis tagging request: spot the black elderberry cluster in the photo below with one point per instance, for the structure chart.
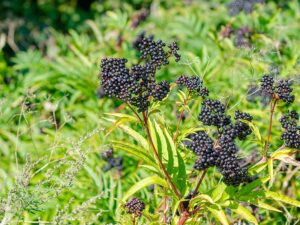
(222, 154)
(281, 89)
(135, 207)
(237, 6)
(291, 134)
(202, 145)
(112, 162)
(137, 85)
(194, 84)
(213, 113)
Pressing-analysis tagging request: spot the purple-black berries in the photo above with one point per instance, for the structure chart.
(281, 89)
(267, 84)
(213, 113)
(112, 162)
(237, 6)
(194, 84)
(136, 85)
(222, 152)
(202, 145)
(291, 134)
(135, 207)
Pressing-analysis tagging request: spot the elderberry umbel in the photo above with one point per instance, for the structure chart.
(194, 84)
(137, 85)
(281, 89)
(202, 145)
(213, 113)
(135, 207)
(291, 134)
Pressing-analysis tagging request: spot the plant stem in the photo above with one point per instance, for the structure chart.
(180, 117)
(166, 175)
(270, 126)
(183, 218)
(165, 208)
(199, 183)
(137, 115)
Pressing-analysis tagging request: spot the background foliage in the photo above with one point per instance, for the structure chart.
(53, 125)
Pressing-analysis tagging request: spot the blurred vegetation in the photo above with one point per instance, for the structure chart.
(52, 126)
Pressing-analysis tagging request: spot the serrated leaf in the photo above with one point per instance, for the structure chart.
(218, 191)
(254, 184)
(243, 212)
(219, 215)
(283, 198)
(270, 170)
(264, 205)
(257, 168)
(136, 151)
(142, 184)
(282, 153)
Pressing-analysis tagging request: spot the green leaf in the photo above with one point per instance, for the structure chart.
(116, 124)
(243, 212)
(136, 151)
(142, 184)
(282, 198)
(254, 129)
(254, 184)
(219, 215)
(270, 169)
(139, 138)
(218, 191)
(282, 153)
(180, 178)
(264, 205)
(257, 168)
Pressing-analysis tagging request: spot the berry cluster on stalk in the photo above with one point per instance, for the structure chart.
(280, 89)
(223, 151)
(291, 134)
(135, 207)
(194, 85)
(137, 85)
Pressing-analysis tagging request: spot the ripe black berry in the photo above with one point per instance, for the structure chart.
(135, 207)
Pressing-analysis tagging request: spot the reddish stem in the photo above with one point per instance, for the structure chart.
(270, 126)
(183, 218)
(199, 183)
(180, 117)
(165, 208)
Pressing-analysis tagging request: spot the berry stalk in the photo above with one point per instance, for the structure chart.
(270, 126)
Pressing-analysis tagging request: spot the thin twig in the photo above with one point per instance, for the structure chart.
(270, 126)
(135, 112)
(199, 183)
(165, 207)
